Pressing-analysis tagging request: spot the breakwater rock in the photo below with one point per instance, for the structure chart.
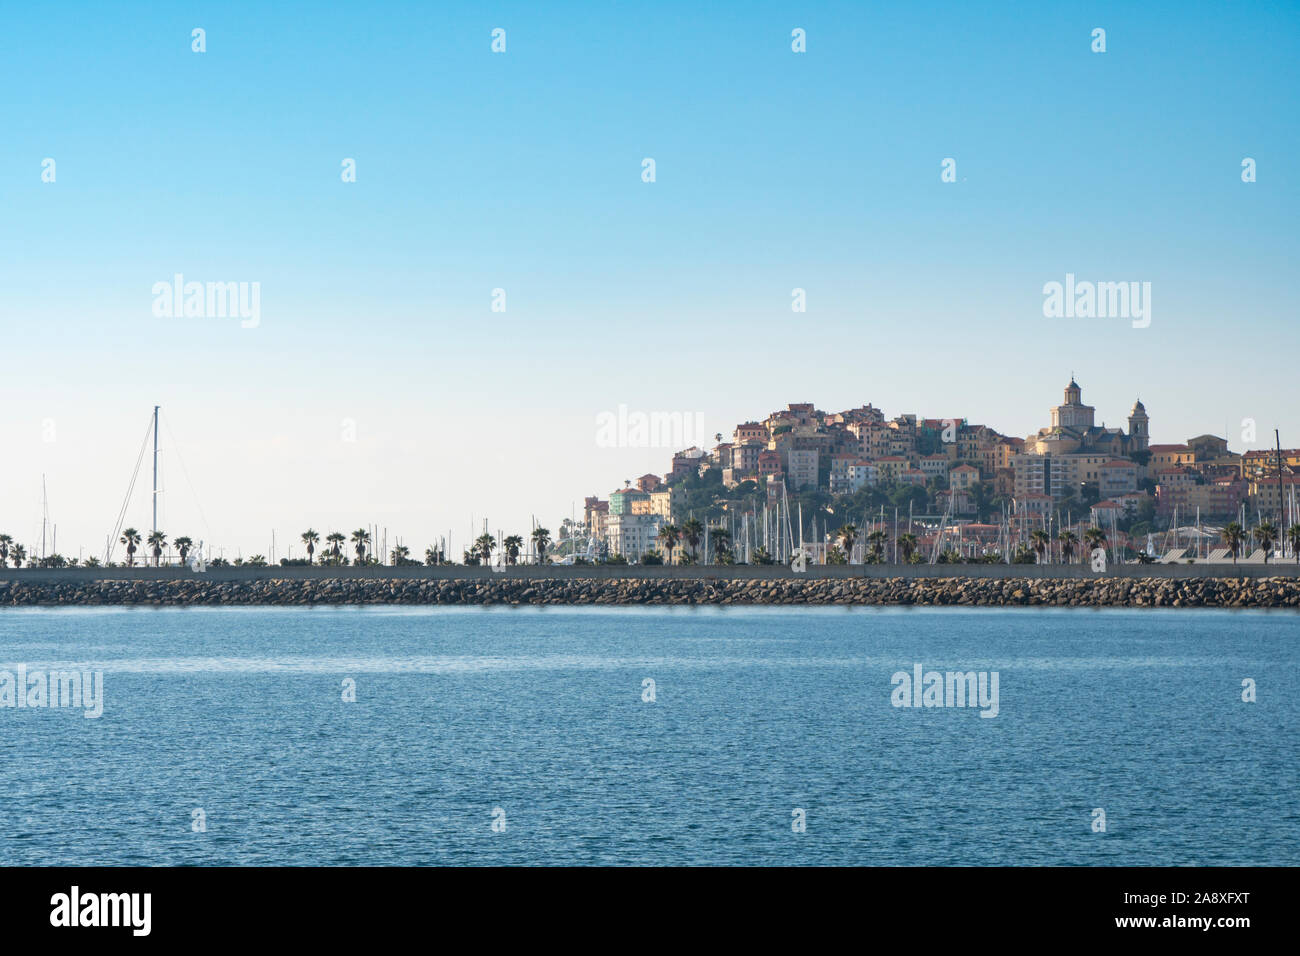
(1272, 592)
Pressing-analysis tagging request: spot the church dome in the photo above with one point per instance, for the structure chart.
(1138, 408)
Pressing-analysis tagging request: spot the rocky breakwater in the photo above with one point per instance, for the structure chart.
(948, 591)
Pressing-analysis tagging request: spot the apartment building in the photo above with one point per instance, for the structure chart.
(889, 467)
(663, 501)
(1056, 475)
(934, 466)
(1214, 500)
(1260, 463)
(1169, 456)
(1264, 496)
(686, 461)
(963, 478)
(632, 535)
(621, 501)
(801, 467)
(1116, 478)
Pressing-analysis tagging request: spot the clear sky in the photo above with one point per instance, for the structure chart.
(522, 171)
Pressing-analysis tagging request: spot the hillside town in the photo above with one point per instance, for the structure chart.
(856, 486)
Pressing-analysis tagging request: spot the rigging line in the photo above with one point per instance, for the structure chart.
(186, 473)
(126, 502)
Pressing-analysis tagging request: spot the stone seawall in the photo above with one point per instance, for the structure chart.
(1256, 592)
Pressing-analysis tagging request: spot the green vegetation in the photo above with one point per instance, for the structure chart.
(1265, 536)
(1234, 537)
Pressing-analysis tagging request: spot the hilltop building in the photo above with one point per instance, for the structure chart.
(1074, 429)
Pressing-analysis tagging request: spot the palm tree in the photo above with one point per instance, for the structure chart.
(1266, 535)
(692, 531)
(5, 542)
(877, 539)
(1068, 540)
(432, 556)
(847, 535)
(335, 540)
(1094, 538)
(720, 537)
(907, 544)
(309, 538)
(19, 554)
(401, 554)
(1039, 539)
(1234, 537)
(130, 538)
(513, 543)
(485, 544)
(669, 535)
(184, 545)
(157, 541)
(541, 541)
(1293, 535)
(360, 538)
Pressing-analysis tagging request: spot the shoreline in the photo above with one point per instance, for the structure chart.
(272, 589)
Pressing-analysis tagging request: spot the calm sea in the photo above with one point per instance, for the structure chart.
(525, 736)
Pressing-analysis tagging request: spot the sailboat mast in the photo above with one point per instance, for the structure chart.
(155, 469)
(1277, 438)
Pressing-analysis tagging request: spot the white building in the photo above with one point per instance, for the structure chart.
(852, 476)
(632, 535)
(801, 467)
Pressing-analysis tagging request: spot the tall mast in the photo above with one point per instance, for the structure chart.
(155, 468)
(1281, 530)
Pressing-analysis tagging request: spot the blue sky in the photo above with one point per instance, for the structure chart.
(521, 171)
